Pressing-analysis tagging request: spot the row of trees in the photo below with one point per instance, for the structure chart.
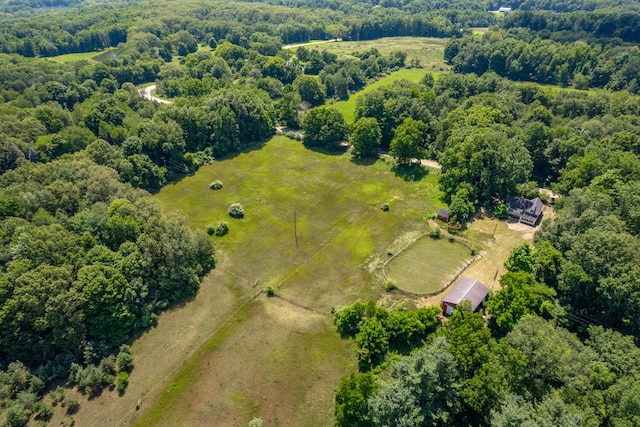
(96, 27)
(526, 57)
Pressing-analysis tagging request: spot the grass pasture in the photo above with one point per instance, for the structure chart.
(426, 265)
(272, 358)
(83, 56)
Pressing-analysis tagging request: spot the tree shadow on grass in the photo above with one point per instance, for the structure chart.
(410, 172)
(330, 151)
(364, 162)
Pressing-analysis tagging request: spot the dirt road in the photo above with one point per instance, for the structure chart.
(147, 93)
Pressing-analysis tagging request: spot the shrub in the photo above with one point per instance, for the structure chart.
(385, 207)
(236, 211)
(435, 233)
(43, 411)
(502, 211)
(271, 292)
(222, 228)
(216, 185)
(122, 381)
(71, 403)
(108, 365)
(256, 422)
(57, 396)
(211, 230)
(17, 415)
(124, 361)
(390, 285)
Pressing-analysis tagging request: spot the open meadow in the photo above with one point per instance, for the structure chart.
(263, 367)
(428, 50)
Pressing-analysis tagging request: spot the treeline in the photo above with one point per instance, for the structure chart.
(621, 24)
(20, 5)
(85, 261)
(571, 5)
(93, 28)
(526, 57)
(464, 374)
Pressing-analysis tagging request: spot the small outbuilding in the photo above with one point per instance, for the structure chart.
(465, 290)
(443, 215)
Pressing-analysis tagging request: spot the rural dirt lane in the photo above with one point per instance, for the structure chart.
(147, 93)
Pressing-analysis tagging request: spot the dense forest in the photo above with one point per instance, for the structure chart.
(87, 258)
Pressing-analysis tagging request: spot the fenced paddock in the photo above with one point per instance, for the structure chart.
(426, 266)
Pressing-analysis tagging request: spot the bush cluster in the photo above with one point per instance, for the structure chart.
(236, 211)
(222, 228)
(216, 185)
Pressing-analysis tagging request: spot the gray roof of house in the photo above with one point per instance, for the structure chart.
(536, 206)
(443, 212)
(532, 207)
(467, 290)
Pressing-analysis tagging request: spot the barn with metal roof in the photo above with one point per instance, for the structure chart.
(465, 290)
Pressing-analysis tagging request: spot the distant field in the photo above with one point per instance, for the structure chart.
(89, 56)
(348, 107)
(427, 265)
(428, 50)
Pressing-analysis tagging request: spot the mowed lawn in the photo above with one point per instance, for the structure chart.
(273, 359)
(427, 265)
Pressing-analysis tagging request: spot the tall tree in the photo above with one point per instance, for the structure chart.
(406, 144)
(324, 127)
(365, 138)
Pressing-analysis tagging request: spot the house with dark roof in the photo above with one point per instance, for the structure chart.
(527, 211)
(465, 290)
(443, 214)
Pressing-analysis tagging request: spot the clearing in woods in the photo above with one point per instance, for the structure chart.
(280, 361)
(221, 359)
(88, 56)
(428, 51)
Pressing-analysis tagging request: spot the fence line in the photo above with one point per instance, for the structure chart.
(302, 306)
(453, 278)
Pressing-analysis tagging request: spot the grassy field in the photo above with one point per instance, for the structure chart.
(265, 365)
(427, 265)
(348, 107)
(73, 57)
(226, 358)
(429, 51)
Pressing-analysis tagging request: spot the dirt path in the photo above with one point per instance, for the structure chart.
(431, 163)
(292, 46)
(147, 93)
